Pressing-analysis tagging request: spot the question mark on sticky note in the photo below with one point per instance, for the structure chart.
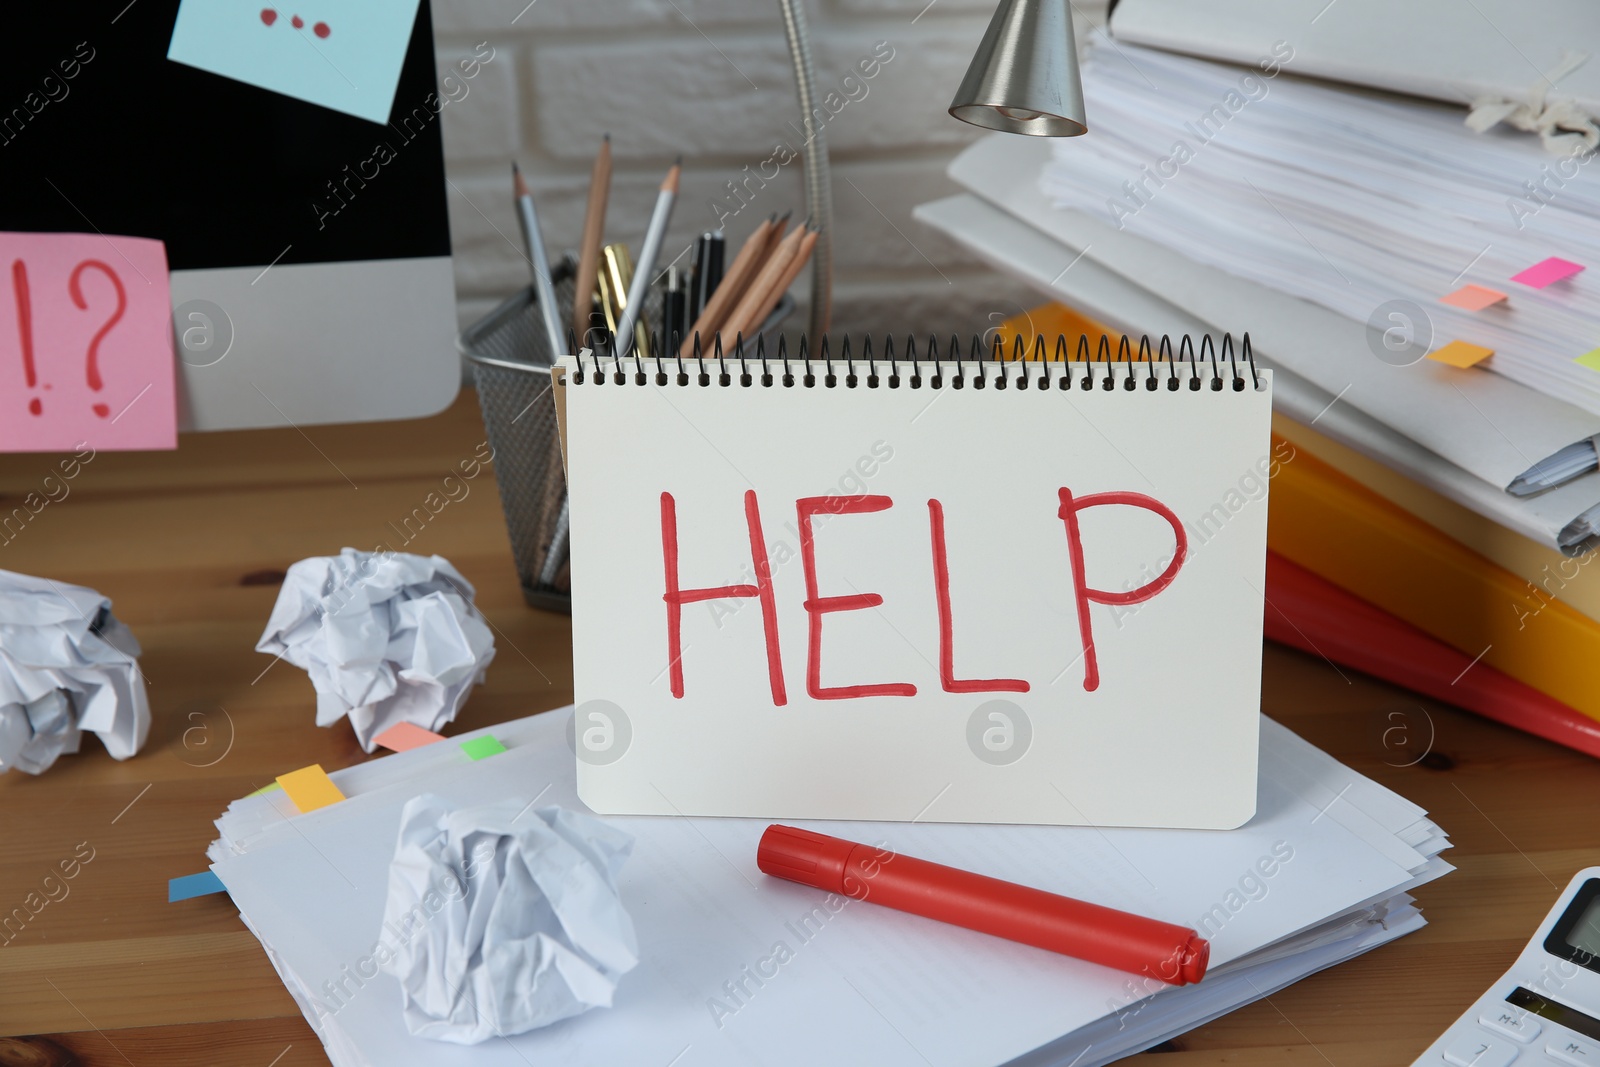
(92, 362)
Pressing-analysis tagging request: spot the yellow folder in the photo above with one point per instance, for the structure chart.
(1575, 582)
(1339, 529)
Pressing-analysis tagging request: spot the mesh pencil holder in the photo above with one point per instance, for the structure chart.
(511, 362)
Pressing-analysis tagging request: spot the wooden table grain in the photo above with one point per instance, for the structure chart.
(191, 547)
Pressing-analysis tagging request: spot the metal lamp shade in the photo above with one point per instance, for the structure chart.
(1024, 77)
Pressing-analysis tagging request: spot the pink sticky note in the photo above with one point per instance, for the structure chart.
(404, 736)
(1544, 273)
(1473, 297)
(85, 344)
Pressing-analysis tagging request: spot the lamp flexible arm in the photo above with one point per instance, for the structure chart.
(819, 188)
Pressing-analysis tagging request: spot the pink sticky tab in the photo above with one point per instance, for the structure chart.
(404, 736)
(1547, 272)
(1473, 297)
(85, 344)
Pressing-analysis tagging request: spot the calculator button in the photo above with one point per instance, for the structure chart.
(1516, 1025)
(1572, 1050)
(1479, 1050)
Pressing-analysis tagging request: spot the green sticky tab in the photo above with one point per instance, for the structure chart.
(272, 788)
(482, 747)
(1590, 359)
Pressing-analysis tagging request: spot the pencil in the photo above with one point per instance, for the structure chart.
(780, 225)
(542, 286)
(765, 305)
(753, 305)
(594, 225)
(647, 259)
(734, 279)
(556, 554)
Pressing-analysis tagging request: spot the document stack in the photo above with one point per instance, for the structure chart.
(1354, 233)
(738, 968)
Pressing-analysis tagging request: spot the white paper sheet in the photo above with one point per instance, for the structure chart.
(1167, 738)
(860, 984)
(1357, 208)
(66, 665)
(386, 637)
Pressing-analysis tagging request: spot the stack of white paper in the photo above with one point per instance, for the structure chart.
(739, 969)
(1343, 197)
(1465, 435)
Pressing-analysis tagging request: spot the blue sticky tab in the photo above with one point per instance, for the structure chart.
(194, 885)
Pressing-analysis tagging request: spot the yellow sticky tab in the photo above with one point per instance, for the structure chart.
(310, 788)
(1590, 359)
(1461, 354)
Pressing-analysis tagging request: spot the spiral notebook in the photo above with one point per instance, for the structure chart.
(919, 590)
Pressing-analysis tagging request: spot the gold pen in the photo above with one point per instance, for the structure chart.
(616, 275)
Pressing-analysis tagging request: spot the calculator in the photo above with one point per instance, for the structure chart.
(1544, 1011)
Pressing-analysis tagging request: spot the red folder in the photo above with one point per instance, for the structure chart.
(1312, 614)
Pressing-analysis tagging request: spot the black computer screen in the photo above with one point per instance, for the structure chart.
(100, 131)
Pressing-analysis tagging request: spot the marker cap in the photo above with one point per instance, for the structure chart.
(798, 855)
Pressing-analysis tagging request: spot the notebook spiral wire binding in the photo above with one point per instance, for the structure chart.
(1150, 366)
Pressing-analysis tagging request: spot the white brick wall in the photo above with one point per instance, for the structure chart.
(710, 79)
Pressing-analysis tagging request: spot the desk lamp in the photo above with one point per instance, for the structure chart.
(1023, 79)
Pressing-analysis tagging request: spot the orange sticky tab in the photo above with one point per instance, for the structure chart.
(1461, 354)
(404, 736)
(1473, 297)
(310, 788)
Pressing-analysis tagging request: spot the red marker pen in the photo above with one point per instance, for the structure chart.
(1086, 931)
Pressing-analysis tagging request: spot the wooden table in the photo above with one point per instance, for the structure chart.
(191, 547)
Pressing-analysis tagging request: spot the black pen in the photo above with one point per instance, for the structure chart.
(674, 308)
(707, 271)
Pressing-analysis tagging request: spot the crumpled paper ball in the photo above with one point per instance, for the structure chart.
(66, 665)
(387, 637)
(501, 919)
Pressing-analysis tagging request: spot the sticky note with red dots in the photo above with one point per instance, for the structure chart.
(86, 360)
(327, 52)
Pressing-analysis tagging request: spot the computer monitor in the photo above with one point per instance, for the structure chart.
(311, 283)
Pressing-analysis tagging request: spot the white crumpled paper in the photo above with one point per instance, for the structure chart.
(66, 665)
(502, 919)
(387, 638)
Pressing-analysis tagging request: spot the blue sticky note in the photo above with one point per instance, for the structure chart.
(341, 54)
(194, 885)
